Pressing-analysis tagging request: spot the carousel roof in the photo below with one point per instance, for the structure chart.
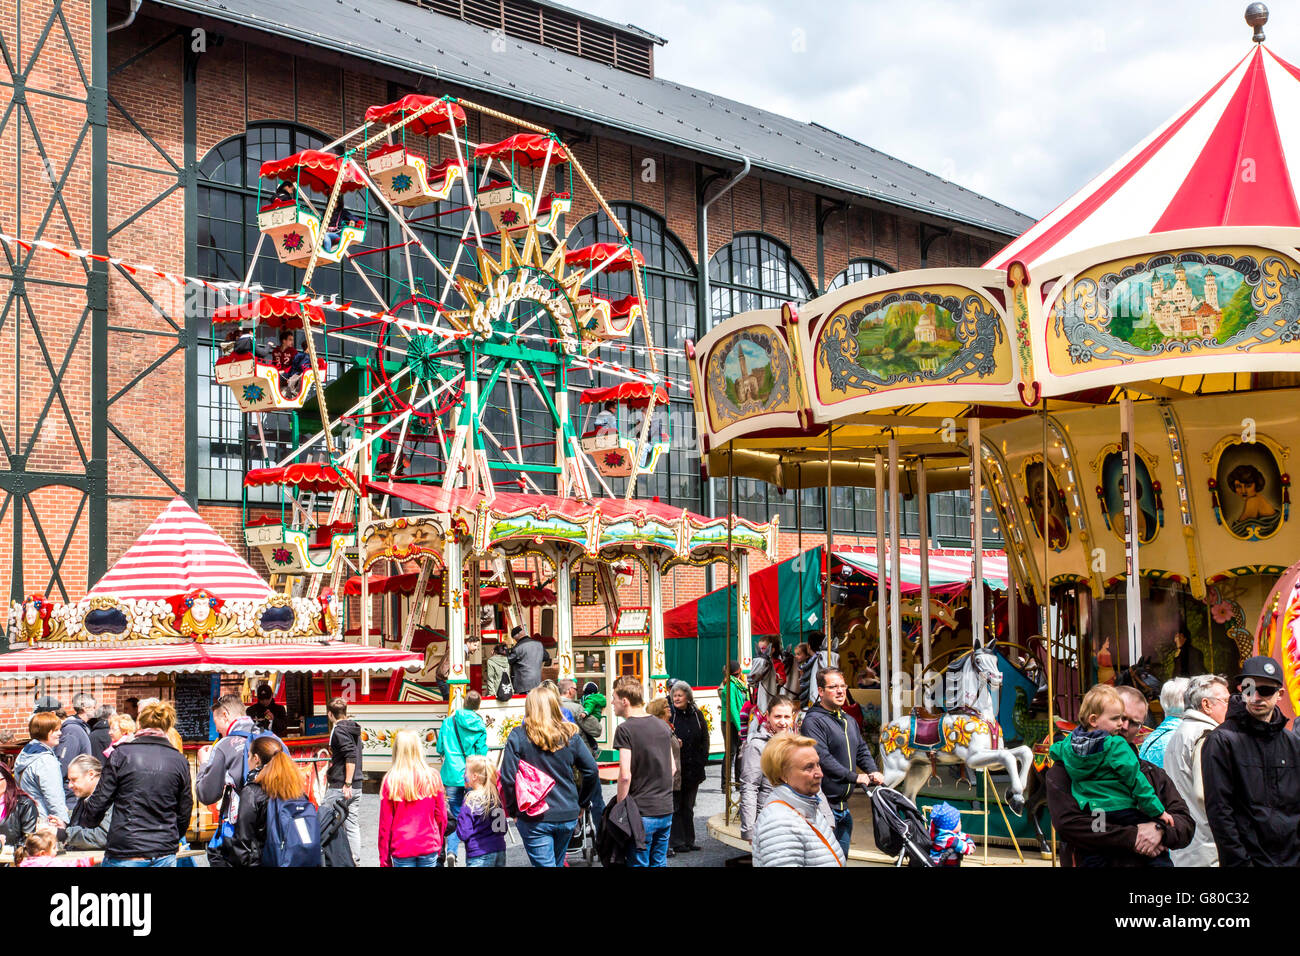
(1222, 161)
(178, 553)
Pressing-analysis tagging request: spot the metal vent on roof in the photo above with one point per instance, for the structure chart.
(542, 23)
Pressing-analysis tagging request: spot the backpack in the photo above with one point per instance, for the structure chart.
(505, 689)
(292, 833)
(225, 825)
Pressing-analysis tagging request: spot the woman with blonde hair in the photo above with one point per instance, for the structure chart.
(538, 768)
(160, 717)
(272, 776)
(412, 807)
(481, 822)
(796, 827)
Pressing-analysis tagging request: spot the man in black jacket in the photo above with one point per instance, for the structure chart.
(75, 740)
(526, 660)
(1250, 765)
(147, 783)
(344, 773)
(841, 749)
(1129, 845)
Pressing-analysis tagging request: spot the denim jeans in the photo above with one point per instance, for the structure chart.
(424, 859)
(656, 842)
(545, 843)
(598, 807)
(168, 860)
(495, 858)
(455, 800)
(843, 829)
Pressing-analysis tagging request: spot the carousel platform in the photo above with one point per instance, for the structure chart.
(862, 848)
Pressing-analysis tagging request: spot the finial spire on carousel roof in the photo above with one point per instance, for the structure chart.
(1257, 16)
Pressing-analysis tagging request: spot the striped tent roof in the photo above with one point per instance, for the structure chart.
(950, 568)
(1222, 161)
(177, 553)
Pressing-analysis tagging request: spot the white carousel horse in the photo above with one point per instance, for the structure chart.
(912, 745)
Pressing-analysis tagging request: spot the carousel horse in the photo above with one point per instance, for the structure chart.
(914, 745)
(1143, 677)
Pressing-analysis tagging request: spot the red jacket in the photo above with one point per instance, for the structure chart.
(410, 828)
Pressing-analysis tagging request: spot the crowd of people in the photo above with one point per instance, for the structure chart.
(1214, 783)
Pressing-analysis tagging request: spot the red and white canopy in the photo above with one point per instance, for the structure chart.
(193, 658)
(178, 553)
(1222, 161)
(950, 569)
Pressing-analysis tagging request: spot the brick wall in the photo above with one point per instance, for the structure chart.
(238, 83)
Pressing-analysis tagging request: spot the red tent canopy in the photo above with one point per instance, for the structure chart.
(271, 310)
(633, 394)
(306, 476)
(405, 584)
(315, 169)
(436, 120)
(589, 257)
(525, 149)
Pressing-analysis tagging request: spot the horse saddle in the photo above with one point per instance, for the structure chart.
(926, 730)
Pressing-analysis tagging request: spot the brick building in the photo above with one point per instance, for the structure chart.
(135, 130)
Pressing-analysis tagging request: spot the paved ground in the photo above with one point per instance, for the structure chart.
(708, 803)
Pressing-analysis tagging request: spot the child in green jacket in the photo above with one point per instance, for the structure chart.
(1106, 778)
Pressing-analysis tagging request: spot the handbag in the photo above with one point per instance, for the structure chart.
(531, 787)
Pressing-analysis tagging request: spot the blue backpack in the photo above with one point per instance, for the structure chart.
(292, 833)
(226, 826)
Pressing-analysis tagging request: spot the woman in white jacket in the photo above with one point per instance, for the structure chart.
(796, 827)
(1206, 705)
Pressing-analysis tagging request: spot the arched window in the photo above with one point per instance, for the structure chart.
(857, 270)
(670, 296)
(229, 441)
(754, 271)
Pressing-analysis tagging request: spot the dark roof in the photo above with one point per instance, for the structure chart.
(410, 38)
(583, 15)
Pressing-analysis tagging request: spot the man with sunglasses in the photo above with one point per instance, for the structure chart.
(1250, 766)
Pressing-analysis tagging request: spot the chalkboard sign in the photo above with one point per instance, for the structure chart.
(194, 706)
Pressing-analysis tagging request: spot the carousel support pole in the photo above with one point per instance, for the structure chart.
(1133, 580)
(830, 544)
(744, 623)
(454, 570)
(798, 537)
(923, 532)
(977, 535)
(895, 588)
(363, 523)
(564, 613)
(882, 622)
(658, 662)
(731, 723)
(1045, 616)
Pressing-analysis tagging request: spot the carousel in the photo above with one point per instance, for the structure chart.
(1115, 386)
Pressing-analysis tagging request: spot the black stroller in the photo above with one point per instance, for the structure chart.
(900, 828)
(583, 841)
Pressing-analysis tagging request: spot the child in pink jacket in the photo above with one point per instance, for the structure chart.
(412, 808)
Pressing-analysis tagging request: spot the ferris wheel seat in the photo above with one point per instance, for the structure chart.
(406, 179)
(297, 551)
(511, 208)
(602, 318)
(256, 385)
(295, 231)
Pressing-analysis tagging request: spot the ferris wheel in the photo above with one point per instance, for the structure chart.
(471, 376)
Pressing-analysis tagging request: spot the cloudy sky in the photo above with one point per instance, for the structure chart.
(1021, 101)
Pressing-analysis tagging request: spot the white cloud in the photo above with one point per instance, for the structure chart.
(1023, 102)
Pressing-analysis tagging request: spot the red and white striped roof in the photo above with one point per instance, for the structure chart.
(1223, 161)
(950, 569)
(192, 658)
(177, 553)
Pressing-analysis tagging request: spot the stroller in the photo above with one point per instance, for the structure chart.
(583, 841)
(900, 828)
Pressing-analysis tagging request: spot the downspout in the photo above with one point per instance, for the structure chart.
(130, 17)
(704, 316)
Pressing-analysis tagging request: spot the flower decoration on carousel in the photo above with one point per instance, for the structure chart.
(282, 556)
(253, 393)
(1222, 612)
(292, 241)
(893, 737)
(509, 217)
(401, 183)
(614, 459)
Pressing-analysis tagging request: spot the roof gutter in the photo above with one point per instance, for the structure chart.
(130, 17)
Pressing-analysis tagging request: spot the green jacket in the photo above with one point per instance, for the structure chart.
(494, 667)
(463, 734)
(733, 696)
(1105, 773)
